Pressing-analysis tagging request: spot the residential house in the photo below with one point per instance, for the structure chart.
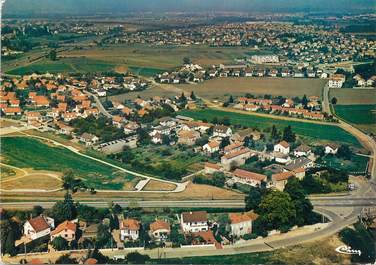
(236, 146)
(211, 147)
(194, 221)
(89, 139)
(331, 149)
(89, 233)
(302, 150)
(247, 177)
(188, 137)
(129, 229)
(241, 223)
(211, 168)
(66, 230)
(336, 81)
(159, 230)
(301, 162)
(282, 147)
(38, 227)
(236, 158)
(222, 131)
(279, 180)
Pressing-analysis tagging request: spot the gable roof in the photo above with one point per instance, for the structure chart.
(39, 224)
(130, 224)
(198, 216)
(66, 225)
(282, 176)
(244, 174)
(159, 224)
(236, 218)
(284, 144)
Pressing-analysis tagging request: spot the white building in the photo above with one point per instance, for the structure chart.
(241, 223)
(331, 149)
(38, 227)
(282, 147)
(222, 131)
(194, 221)
(336, 81)
(129, 229)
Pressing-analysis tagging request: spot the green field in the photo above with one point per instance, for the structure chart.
(64, 65)
(26, 152)
(358, 114)
(310, 130)
(145, 71)
(362, 116)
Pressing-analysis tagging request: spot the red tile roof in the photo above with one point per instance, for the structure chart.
(159, 224)
(236, 218)
(39, 224)
(66, 225)
(240, 173)
(198, 216)
(130, 224)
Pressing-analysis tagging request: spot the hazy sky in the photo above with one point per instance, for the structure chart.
(36, 7)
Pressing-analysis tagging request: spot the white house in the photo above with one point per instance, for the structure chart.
(248, 178)
(194, 221)
(89, 139)
(302, 150)
(222, 131)
(159, 230)
(211, 147)
(129, 229)
(282, 147)
(336, 81)
(38, 227)
(241, 223)
(331, 149)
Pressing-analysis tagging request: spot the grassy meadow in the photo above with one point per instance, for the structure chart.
(362, 116)
(26, 152)
(316, 132)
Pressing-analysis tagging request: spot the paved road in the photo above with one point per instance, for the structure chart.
(99, 105)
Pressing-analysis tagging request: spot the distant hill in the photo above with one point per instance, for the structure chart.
(87, 7)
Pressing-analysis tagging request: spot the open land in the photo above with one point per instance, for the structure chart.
(362, 116)
(347, 96)
(317, 132)
(221, 88)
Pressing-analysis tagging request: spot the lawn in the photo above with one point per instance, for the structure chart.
(26, 152)
(145, 71)
(310, 130)
(222, 88)
(64, 65)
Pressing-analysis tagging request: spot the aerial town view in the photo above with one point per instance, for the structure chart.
(188, 132)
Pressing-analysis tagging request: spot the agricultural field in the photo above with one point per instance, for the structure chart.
(222, 88)
(23, 152)
(347, 96)
(362, 116)
(64, 65)
(154, 90)
(160, 58)
(312, 131)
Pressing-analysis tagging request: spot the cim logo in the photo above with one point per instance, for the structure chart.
(347, 250)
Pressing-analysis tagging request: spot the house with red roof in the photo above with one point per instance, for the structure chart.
(66, 230)
(159, 230)
(38, 227)
(282, 147)
(248, 177)
(129, 229)
(279, 180)
(241, 223)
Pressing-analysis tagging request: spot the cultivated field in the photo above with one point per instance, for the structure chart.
(221, 88)
(312, 131)
(154, 90)
(362, 116)
(157, 185)
(347, 96)
(154, 58)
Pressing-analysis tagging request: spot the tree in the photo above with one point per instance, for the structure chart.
(52, 55)
(274, 134)
(334, 100)
(127, 156)
(64, 210)
(277, 211)
(304, 101)
(288, 135)
(219, 179)
(253, 199)
(225, 121)
(66, 259)
(104, 237)
(344, 152)
(319, 151)
(302, 205)
(225, 142)
(187, 60)
(182, 97)
(231, 99)
(137, 258)
(193, 96)
(95, 254)
(202, 140)
(59, 243)
(68, 180)
(37, 210)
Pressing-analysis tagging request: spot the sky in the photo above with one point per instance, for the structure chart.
(43, 7)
